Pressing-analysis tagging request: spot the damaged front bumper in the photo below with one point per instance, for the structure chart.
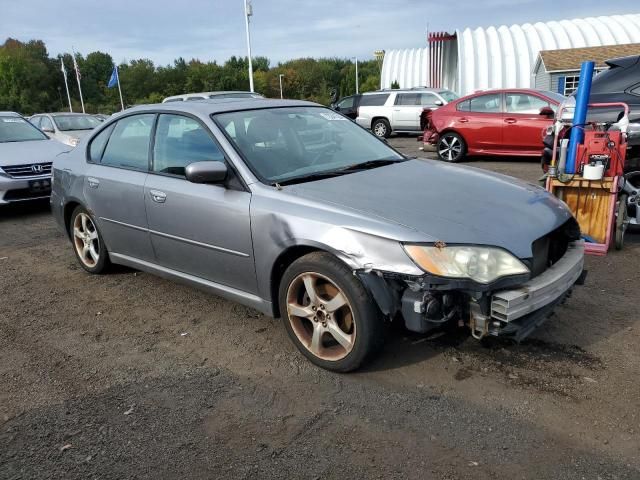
(509, 308)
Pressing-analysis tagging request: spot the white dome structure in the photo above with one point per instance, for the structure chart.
(500, 57)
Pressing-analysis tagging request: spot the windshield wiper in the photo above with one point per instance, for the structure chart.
(381, 162)
(307, 178)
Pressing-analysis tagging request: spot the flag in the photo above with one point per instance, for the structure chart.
(114, 80)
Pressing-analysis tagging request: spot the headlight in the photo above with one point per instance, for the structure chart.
(481, 264)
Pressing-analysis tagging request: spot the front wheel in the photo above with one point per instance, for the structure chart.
(622, 221)
(87, 242)
(328, 314)
(451, 147)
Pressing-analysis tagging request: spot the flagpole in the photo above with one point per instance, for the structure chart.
(75, 65)
(119, 89)
(66, 84)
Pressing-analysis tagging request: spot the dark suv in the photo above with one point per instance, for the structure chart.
(348, 106)
(620, 83)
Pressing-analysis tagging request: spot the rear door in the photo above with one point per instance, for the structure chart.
(198, 229)
(523, 124)
(114, 185)
(479, 121)
(406, 111)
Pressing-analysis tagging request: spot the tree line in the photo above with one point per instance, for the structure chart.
(31, 81)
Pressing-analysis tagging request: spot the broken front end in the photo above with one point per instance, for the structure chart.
(485, 288)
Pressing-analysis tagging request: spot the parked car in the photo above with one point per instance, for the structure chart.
(101, 116)
(289, 208)
(26, 155)
(509, 122)
(66, 127)
(211, 95)
(348, 106)
(389, 111)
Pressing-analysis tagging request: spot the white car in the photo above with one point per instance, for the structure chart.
(66, 127)
(26, 155)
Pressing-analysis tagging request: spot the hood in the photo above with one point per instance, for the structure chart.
(35, 151)
(69, 135)
(451, 203)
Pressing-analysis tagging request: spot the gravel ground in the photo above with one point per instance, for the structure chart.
(130, 376)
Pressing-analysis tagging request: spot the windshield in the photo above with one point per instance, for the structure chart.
(448, 95)
(76, 122)
(280, 144)
(17, 129)
(554, 96)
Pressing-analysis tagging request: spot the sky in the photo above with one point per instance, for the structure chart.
(280, 29)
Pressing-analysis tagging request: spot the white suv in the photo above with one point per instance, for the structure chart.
(388, 111)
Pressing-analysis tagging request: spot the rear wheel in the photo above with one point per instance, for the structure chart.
(87, 242)
(451, 147)
(381, 128)
(328, 314)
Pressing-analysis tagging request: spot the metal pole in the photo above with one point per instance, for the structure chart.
(66, 83)
(356, 58)
(281, 75)
(75, 66)
(119, 89)
(580, 115)
(248, 11)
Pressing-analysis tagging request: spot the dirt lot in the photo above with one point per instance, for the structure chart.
(130, 376)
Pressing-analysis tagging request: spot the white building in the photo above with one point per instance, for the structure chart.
(499, 57)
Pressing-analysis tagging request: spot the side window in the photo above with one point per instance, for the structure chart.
(346, 103)
(408, 99)
(524, 104)
(463, 106)
(181, 141)
(128, 145)
(96, 149)
(489, 103)
(428, 100)
(46, 124)
(374, 100)
(636, 90)
(35, 121)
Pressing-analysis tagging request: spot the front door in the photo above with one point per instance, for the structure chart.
(114, 185)
(523, 124)
(406, 111)
(198, 229)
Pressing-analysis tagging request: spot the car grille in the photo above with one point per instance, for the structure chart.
(29, 170)
(549, 249)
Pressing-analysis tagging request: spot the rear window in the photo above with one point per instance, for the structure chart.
(376, 100)
(489, 103)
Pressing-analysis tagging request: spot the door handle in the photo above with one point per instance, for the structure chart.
(510, 120)
(463, 120)
(158, 196)
(93, 182)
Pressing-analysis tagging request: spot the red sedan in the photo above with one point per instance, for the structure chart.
(506, 122)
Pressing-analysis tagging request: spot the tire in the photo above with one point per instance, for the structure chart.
(451, 147)
(381, 128)
(337, 339)
(87, 242)
(622, 220)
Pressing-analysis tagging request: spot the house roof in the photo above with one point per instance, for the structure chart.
(571, 58)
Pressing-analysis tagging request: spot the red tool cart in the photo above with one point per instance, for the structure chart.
(592, 192)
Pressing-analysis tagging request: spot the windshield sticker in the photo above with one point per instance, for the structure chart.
(332, 116)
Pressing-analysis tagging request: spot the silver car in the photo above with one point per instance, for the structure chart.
(219, 95)
(26, 155)
(389, 111)
(65, 127)
(292, 209)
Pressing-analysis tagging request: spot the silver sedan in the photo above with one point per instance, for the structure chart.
(292, 209)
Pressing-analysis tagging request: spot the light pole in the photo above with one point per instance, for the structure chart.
(248, 11)
(281, 76)
(356, 59)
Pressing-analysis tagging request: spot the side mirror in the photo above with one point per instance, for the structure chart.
(547, 112)
(206, 172)
(47, 130)
(438, 103)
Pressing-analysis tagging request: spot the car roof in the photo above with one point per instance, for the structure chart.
(10, 114)
(209, 94)
(407, 90)
(211, 106)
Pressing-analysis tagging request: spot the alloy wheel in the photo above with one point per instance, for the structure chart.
(450, 148)
(85, 240)
(321, 316)
(380, 129)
